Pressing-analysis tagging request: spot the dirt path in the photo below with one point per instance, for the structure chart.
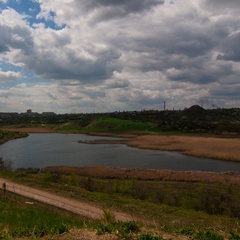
(74, 206)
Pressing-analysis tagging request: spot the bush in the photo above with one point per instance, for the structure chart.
(87, 183)
(139, 191)
(73, 180)
(211, 201)
(159, 196)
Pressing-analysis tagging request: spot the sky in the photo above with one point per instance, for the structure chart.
(78, 56)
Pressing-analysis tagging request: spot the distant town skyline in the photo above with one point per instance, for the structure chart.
(103, 56)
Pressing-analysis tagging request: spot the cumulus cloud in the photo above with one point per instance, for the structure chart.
(222, 5)
(9, 76)
(133, 54)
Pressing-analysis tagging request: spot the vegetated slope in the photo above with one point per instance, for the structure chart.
(180, 209)
(110, 125)
(192, 120)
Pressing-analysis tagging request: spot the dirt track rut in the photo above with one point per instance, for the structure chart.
(78, 207)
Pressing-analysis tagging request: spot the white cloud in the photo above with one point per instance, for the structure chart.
(110, 55)
(9, 76)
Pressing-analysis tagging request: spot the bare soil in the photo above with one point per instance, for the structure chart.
(81, 208)
(78, 207)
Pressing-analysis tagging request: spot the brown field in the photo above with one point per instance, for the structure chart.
(148, 174)
(207, 147)
(227, 149)
(30, 130)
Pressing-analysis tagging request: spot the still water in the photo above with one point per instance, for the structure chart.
(41, 150)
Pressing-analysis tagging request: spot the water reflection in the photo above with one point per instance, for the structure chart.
(41, 150)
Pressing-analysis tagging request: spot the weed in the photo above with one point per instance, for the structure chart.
(149, 236)
(60, 229)
(122, 229)
(234, 236)
(187, 231)
(108, 216)
(207, 235)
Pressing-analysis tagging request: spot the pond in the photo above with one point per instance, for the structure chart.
(41, 150)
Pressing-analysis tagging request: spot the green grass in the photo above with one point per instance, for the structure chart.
(109, 124)
(6, 136)
(103, 124)
(175, 211)
(67, 128)
(18, 219)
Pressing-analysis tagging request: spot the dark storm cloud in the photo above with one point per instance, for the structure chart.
(219, 5)
(52, 96)
(118, 83)
(199, 70)
(228, 92)
(76, 67)
(128, 5)
(231, 49)
(3, 48)
(17, 37)
(105, 10)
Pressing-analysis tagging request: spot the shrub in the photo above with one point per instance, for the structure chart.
(117, 187)
(159, 196)
(139, 191)
(56, 177)
(73, 180)
(87, 183)
(211, 201)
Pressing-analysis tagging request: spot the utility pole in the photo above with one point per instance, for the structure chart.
(164, 105)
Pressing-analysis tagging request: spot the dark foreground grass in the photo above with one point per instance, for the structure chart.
(202, 210)
(21, 218)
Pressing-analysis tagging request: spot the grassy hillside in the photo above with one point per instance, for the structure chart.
(110, 125)
(200, 210)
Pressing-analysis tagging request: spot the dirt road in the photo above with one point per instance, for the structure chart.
(74, 206)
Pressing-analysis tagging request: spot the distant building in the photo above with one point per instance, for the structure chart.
(29, 111)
